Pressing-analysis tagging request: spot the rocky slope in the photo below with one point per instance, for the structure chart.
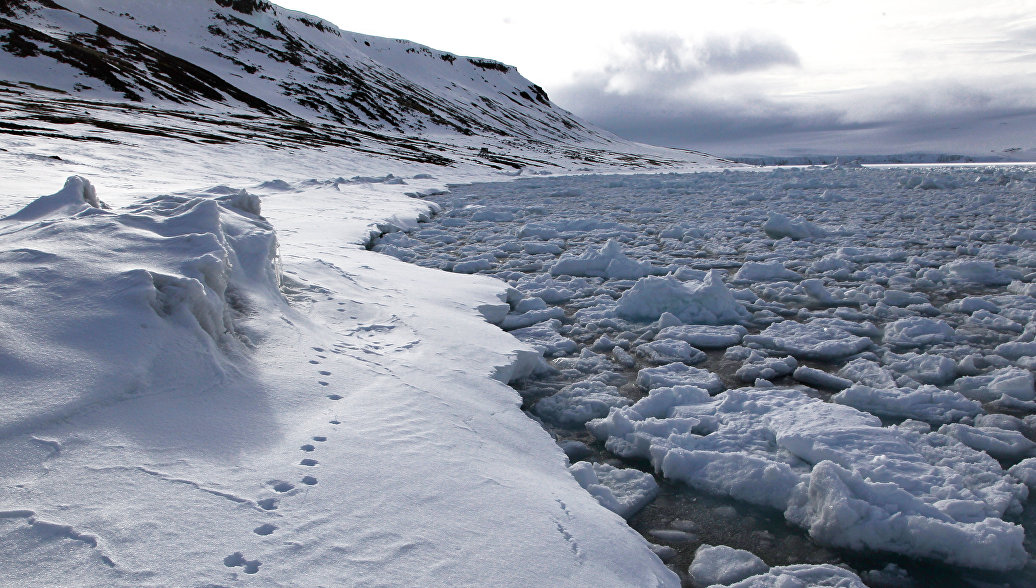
(246, 70)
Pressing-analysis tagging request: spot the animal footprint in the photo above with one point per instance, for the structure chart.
(335, 422)
(322, 383)
(335, 396)
(268, 504)
(309, 481)
(314, 362)
(237, 559)
(309, 462)
(283, 486)
(325, 373)
(320, 438)
(266, 529)
(307, 447)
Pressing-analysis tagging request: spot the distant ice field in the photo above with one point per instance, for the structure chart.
(850, 350)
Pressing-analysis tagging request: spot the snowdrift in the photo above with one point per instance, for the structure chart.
(140, 299)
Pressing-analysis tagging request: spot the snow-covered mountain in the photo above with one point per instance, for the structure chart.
(246, 70)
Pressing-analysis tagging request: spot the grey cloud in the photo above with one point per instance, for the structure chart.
(936, 117)
(653, 62)
(745, 53)
(696, 120)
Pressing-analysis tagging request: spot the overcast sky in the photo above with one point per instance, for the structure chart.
(753, 76)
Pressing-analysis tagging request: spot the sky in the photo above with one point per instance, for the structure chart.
(769, 77)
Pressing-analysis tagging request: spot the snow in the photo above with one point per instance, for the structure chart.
(215, 381)
(820, 379)
(1001, 444)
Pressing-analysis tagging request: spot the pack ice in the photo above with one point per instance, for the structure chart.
(847, 346)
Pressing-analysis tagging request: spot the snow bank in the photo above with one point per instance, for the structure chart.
(132, 286)
(190, 397)
(76, 196)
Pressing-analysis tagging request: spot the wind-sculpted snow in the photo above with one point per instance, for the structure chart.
(885, 327)
(133, 286)
(188, 399)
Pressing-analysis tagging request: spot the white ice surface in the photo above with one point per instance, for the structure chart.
(719, 564)
(623, 491)
(163, 448)
(832, 469)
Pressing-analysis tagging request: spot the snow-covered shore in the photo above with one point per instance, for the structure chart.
(173, 417)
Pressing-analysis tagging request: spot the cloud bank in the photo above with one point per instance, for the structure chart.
(729, 95)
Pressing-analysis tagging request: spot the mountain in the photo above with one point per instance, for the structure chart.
(218, 71)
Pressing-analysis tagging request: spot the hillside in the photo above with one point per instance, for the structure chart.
(219, 71)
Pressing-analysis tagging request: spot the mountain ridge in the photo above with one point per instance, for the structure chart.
(252, 58)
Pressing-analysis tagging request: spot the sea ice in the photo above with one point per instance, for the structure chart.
(917, 332)
(705, 336)
(678, 374)
(724, 565)
(708, 302)
(622, 491)
(809, 341)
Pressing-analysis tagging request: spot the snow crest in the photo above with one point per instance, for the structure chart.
(130, 286)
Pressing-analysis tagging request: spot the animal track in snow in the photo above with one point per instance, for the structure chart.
(267, 503)
(307, 447)
(314, 362)
(237, 559)
(319, 438)
(323, 383)
(569, 538)
(335, 396)
(265, 529)
(309, 462)
(282, 487)
(325, 373)
(309, 481)
(335, 422)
